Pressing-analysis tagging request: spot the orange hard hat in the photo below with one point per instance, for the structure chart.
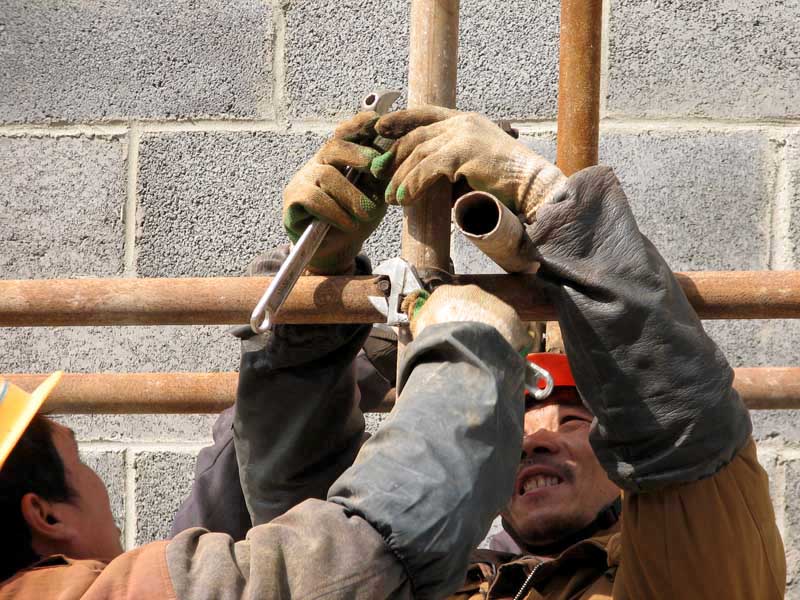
(17, 409)
(548, 370)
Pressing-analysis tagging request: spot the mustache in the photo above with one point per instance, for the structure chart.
(564, 471)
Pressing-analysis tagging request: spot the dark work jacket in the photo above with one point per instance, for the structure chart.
(669, 428)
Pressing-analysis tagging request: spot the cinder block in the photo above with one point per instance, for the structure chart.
(210, 202)
(339, 50)
(508, 58)
(61, 202)
(716, 58)
(769, 458)
(110, 466)
(163, 480)
(791, 537)
(384, 243)
(703, 197)
(124, 349)
(792, 241)
(757, 343)
(79, 61)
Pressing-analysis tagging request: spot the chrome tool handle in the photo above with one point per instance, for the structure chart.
(287, 276)
(303, 251)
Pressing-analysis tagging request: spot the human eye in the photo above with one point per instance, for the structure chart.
(575, 420)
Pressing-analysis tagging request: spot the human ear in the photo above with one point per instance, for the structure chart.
(45, 520)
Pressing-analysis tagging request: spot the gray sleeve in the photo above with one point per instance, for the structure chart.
(660, 389)
(297, 424)
(316, 550)
(442, 465)
(216, 502)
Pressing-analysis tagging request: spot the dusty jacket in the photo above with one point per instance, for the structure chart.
(388, 529)
(670, 430)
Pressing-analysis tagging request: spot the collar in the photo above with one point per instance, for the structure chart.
(606, 520)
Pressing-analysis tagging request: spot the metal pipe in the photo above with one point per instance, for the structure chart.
(495, 231)
(432, 73)
(432, 68)
(340, 299)
(579, 84)
(774, 388)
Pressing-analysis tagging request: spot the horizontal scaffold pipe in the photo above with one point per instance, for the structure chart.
(230, 300)
(128, 393)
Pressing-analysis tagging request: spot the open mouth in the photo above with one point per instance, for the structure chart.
(537, 480)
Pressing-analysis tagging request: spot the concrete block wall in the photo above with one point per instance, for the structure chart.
(142, 139)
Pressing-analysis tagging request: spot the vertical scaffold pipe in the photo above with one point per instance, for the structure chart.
(432, 66)
(579, 84)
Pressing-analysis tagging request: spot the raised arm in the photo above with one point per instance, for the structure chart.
(670, 429)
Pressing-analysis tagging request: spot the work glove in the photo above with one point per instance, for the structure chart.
(459, 303)
(320, 190)
(434, 142)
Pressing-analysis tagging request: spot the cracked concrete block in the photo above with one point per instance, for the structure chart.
(715, 59)
(110, 466)
(115, 60)
(61, 204)
(508, 58)
(163, 480)
(210, 202)
(703, 198)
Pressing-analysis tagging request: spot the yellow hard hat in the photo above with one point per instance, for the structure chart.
(17, 409)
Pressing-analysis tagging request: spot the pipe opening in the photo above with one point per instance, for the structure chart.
(477, 214)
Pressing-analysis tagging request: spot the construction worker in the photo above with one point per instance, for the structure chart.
(385, 529)
(638, 481)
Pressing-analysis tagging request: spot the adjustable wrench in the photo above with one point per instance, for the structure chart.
(302, 252)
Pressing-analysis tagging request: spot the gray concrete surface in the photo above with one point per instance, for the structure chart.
(212, 106)
(209, 202)
(523, 84)
(76, 61)
(110, 466)
(790, 218)
(163, 479)
(61, 202)
(715, 58)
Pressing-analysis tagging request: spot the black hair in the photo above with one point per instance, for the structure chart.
(34, 466)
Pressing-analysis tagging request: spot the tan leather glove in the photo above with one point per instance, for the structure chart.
(320, 190)
(452, 303)
(434, 142)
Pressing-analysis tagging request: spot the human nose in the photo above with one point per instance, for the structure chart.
(541, 441)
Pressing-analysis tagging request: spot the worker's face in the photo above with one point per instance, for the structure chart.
(88, 513)
(560, 486)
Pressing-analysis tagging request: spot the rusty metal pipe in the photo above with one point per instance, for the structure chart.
(228, 300)
(579, 85)
(774, 388)
(432, 72)
(495, 231)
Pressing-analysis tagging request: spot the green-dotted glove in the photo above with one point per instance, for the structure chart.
(453, 303)
(319, 190)
(434, 142)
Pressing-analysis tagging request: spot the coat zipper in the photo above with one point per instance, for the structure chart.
(524, 589)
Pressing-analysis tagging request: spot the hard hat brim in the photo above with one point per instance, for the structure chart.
(17, 409)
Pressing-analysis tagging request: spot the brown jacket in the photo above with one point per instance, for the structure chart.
(388, 528)
(674, 543)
